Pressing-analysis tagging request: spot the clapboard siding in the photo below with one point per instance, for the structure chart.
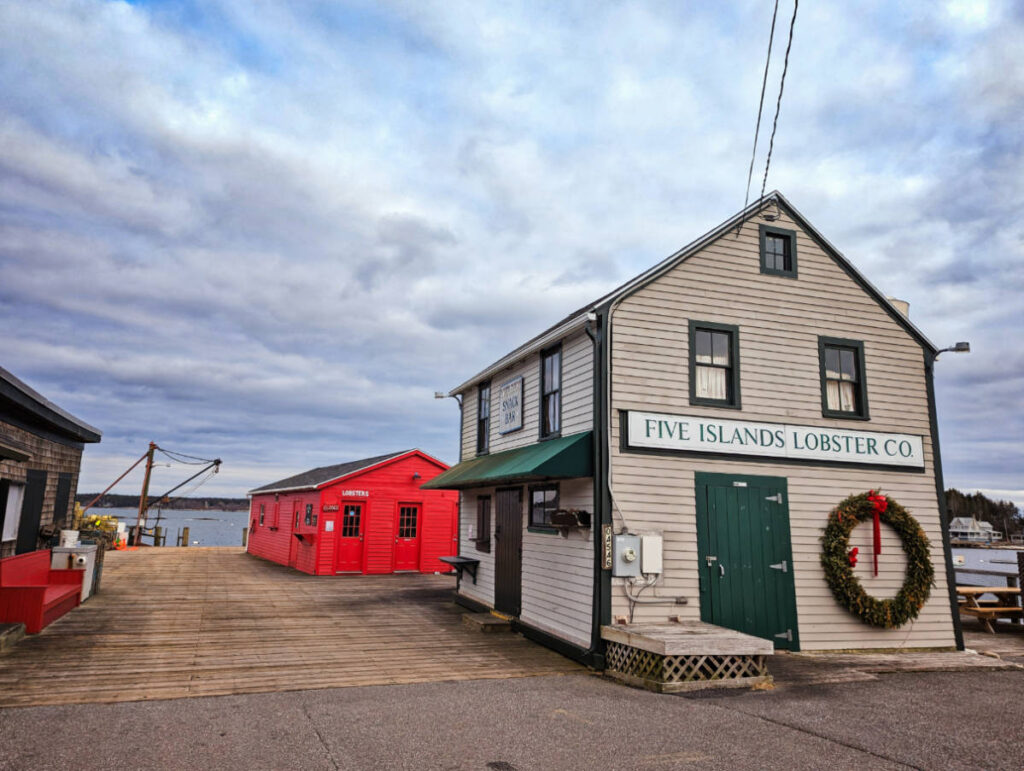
(779, 322)
(483, 589)
(577, 398)
(557, 573)
(469, 415)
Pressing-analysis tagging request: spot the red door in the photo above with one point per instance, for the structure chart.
(407, 542)
(293, 542)
(348, 554)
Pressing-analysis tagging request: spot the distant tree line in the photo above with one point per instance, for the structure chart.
(113, 501)
(1002, 515)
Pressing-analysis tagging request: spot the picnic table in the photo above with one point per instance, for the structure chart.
(1005, 606)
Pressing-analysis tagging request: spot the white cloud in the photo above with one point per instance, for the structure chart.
(247, 229)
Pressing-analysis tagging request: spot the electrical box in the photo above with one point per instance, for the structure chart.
(650, 554)
(626, 556)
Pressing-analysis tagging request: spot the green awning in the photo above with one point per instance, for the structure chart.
(564, 458)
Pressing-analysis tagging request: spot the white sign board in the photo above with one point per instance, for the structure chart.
(656, 431)
(510, 406)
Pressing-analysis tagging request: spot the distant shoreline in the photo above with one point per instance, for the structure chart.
(192, 504)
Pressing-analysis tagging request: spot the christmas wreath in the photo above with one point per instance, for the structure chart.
(838, 560)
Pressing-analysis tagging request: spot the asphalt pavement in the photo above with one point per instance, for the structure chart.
(929, 720)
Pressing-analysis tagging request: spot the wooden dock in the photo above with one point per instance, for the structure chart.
(176, 623)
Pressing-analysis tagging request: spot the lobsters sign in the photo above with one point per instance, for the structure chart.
(685, 433)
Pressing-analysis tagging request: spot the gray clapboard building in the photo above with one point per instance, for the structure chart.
(733, 394)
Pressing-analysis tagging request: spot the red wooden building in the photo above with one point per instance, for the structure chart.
(366, 516)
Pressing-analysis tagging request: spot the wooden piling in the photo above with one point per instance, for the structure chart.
(245, 537)
(184, 536)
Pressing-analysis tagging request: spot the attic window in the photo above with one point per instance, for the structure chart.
(778, 251)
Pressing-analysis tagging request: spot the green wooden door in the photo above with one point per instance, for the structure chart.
(745, 556)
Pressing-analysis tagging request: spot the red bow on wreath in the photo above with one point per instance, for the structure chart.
(852, 556)
(880, 504)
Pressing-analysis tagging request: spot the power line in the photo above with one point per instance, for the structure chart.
(177, 457)
(778, 102)
(760, 107)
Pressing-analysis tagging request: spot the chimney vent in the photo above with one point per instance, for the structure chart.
(901, 305)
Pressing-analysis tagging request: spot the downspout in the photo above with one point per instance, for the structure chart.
(597, 330)
(940, 492)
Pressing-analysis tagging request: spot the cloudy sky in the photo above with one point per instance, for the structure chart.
(269, 231)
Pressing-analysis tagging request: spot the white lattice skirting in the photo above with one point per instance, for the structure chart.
(666, 673)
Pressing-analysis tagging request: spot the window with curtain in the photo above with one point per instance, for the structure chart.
(844, 392)
(713, 365)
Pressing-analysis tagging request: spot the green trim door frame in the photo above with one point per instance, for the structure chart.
(745, 556)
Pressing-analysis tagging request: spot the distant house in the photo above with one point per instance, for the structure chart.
(40, 456)
(970, 529)
(363, 516)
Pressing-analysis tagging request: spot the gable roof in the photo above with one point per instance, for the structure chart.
(577, 320)
(318, 477)
(969, 523)
(25, 402)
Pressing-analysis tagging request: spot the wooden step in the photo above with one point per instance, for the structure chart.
(486, 622)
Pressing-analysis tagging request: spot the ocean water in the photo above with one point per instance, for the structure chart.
(1002, 560)
(206, 526)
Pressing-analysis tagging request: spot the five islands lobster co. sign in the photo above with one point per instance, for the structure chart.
(510, 406)
(686, 433)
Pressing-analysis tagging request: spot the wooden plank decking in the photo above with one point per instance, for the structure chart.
(174, 623)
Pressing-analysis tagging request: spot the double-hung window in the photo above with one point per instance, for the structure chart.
(714, 364)
(778, 251)
(551, 392)
(843, 385)
(543, 503)
(263, 511)
(483, 418)
(483, 523)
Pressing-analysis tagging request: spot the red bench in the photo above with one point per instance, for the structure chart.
(35, 595)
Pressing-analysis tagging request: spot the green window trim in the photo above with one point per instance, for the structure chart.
(550, 393)
(790, 237)
(862, 412)
(483, 524)
(732, 400)
(483, 418)
(532, 524)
